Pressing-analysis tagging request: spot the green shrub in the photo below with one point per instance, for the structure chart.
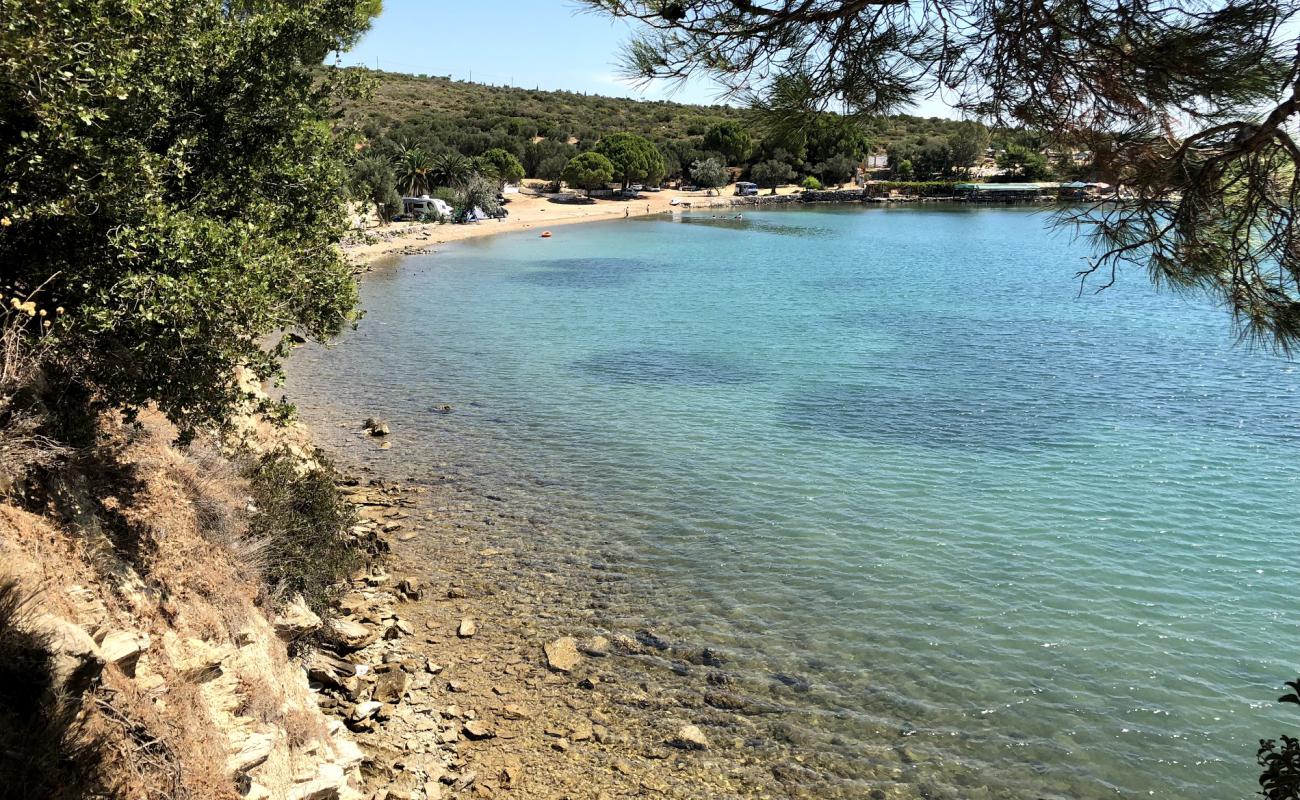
(811, 183)
(302, 518)
(172, 180)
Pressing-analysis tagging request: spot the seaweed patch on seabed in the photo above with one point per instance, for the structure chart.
(932, 418)
(585, 273)
(728, 219)
(664, 366)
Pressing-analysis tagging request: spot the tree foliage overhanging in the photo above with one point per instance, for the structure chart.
(1193, 104)
(173, 183)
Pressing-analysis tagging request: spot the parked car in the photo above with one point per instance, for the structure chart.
(746, 189)
(652, 189)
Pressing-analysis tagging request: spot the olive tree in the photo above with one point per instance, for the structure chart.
(709, 173)
(771, 173)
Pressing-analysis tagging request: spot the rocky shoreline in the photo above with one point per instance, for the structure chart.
(453, 688)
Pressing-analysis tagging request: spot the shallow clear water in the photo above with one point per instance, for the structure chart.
(976, 533)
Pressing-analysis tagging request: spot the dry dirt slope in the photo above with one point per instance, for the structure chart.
(164, 660)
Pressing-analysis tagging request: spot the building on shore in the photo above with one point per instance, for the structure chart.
(1005, 192)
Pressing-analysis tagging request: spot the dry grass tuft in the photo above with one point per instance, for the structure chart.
(24, 447)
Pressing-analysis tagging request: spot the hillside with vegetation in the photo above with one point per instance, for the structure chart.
(426, 133)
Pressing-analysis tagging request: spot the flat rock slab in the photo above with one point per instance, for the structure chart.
(562, 654)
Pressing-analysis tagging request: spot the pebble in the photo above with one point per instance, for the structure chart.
(467, 628)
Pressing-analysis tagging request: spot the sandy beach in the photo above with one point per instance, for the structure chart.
(531, 210)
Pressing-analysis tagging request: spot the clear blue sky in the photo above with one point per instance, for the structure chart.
(546, 44)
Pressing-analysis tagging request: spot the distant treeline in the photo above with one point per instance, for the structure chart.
(451, 122)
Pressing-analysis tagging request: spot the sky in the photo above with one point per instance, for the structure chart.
(543, 44)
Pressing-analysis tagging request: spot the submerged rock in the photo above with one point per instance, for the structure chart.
(596, 646)
(376, 427)
(562, 654)
(725, 700)
(651, 640)
(392, 686)
(690, 737)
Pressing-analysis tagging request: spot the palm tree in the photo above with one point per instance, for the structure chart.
(452, 169)
(414, 170)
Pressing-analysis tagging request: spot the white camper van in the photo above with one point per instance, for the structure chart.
(424, 204)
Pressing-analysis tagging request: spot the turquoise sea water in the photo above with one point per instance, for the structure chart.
(981, 535)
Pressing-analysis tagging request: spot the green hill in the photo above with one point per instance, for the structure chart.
(545, 128)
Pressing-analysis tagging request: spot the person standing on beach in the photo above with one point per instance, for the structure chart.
(626, 212)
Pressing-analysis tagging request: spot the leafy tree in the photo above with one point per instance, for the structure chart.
(933, 158)
(771, 173)
(172, 181)
(477, 193)
(505, 167)
(731, 140)
(1023, 162)
(588, 171)
(1195, 104)
(539, 152)
(831, 135)
(635, 159)
(900, 159)
(371, 179)
(709, 174)
(837, 169)
(679, 154)
(967, 145)
(551, 169)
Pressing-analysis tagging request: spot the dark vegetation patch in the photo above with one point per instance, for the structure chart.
(45, 750)
(664, 366)
(585, 273)
(302, 518)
